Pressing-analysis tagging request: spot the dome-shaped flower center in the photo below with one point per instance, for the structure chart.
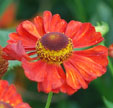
(54, 47)
(5, 105)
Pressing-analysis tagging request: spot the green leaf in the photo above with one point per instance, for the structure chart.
(4, 37)
(108, 103)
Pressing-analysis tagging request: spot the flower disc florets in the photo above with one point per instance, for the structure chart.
(5, 105)
(54, 47)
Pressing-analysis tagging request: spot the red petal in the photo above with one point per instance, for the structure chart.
(9, 95)
(67, 89)
(23, 105)
(47, 20)
(15, 99)
(72, 28)
(98, 54)
(86, 36)
(35, 71)
(27, 31)
(15, 51)
(39, 25)
(3, 87)
(30, 28)
(61, 26)
(86, 66)
(52, 80)
(55, 20)
(26, 41)
(73, 77)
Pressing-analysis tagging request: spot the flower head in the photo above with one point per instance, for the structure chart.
(47, 50)
(111, 50)
(9, 98)
(3, 63)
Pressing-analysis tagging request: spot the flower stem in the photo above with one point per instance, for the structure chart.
(49, 100)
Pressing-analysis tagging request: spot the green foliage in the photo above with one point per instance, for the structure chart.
(4, 37)
(108, 103)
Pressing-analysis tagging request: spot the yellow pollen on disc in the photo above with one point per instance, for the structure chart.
(5, 105)
(54, 56)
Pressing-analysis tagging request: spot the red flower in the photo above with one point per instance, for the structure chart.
(9, 98)
(110, 49)
(48, 51)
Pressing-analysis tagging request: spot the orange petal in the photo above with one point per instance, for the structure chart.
(39, 25)
(52, 80)
(27, 30)
(86, 66)
(9, 95)
(72, 28)
(15, 99)
(47, 20)
(35, 71)
(61, 26)
(98, 54)
(54, 21)
(86, 36)
(67, 89)
(26, 41)
(30, 28)
(73, 77)
(3, 87)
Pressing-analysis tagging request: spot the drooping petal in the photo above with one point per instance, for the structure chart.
(15, 51)
(85, 66)
(35, 71)
(72, 28)
(47, 20)
(67, 89)
(52, 81)
(39, 25)
(26, 41)
(86, 36)
(73, 77)
(98, 54)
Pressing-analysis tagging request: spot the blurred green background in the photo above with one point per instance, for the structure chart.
(100, 92)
